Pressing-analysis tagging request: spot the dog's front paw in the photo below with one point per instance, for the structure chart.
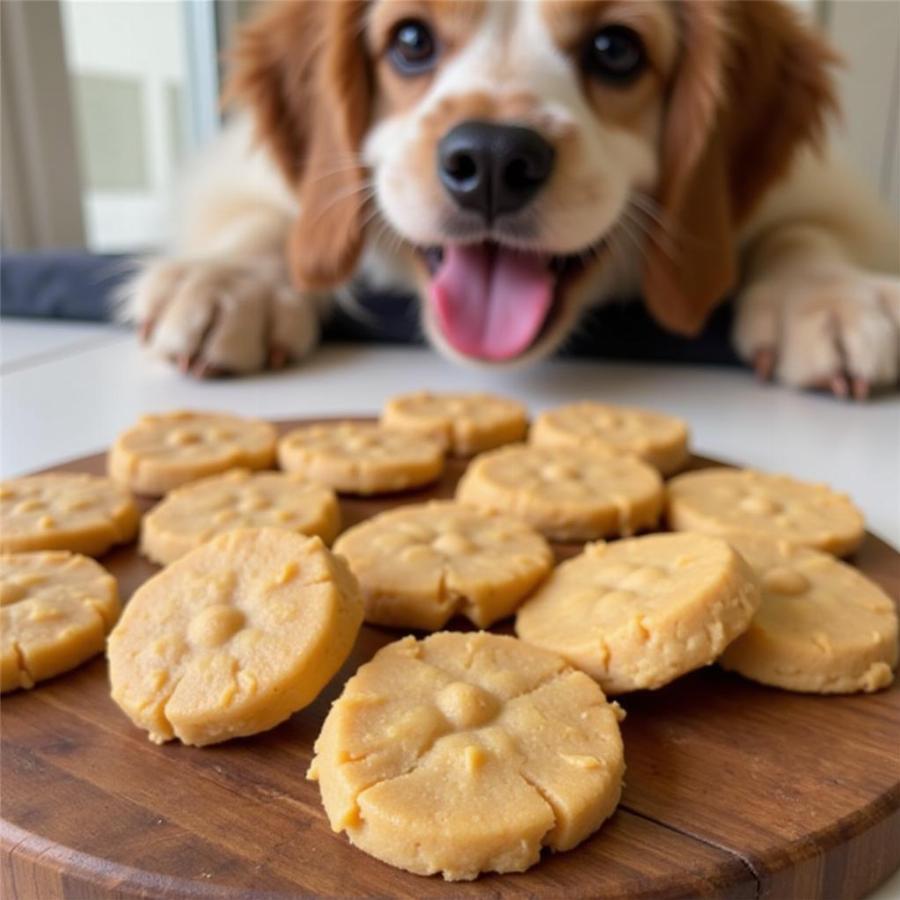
(216, 317)
(826, 327)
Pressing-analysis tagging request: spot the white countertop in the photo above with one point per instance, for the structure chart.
(67, 389)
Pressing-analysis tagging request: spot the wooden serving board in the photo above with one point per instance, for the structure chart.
(732, 790)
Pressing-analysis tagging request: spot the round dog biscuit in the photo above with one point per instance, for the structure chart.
(164, 451)
(234, 637)
(419, 565)
(56, 608)
(362, 457)
(823, 627)
(656, 438)
(638, 613)
(65, 511)
(568, 494)
(191, 515)
(719, 501)
(468, 753)
(467, 423)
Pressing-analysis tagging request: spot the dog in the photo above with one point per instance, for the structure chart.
(513, 162)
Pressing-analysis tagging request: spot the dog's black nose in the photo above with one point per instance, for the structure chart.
(493, 169)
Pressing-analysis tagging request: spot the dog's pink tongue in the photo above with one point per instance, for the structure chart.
(490, 302)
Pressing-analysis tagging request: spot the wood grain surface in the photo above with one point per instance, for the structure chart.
(732, 790)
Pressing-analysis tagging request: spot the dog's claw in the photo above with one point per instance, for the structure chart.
(861, 388)
(204, 369)
(840, 386)
(278, 356)
(764, 364)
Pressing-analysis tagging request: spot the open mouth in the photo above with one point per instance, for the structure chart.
(494, 302)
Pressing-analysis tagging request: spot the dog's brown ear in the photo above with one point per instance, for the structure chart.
(752, 86)
(301, 68)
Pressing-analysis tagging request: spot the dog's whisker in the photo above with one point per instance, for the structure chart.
(374, 213)
(348, 191)
(651, 207)
(625, 229)
(394, 242)
(351, 165)
(391, 241)
(646, 218)
(644, 207)
(331, 173)
(666, 246)
(347, 156)
(383, 232)
(631, 220)
(365, 192)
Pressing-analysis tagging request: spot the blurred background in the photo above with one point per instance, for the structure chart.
(103, 100)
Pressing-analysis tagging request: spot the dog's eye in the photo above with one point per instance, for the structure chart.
(412, 48)
(615, 54)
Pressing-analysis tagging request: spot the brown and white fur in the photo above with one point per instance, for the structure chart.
(706, 176)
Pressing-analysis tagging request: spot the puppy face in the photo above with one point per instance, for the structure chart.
(557, 106)
(508, 150)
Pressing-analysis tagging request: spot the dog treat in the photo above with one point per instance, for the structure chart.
(420, 565)
(638, 613)
(658, 439)
(167, 450)
(362, 457)
(65, 511)
(468, 753)
(192, 514)
(822, 628)
(719, 501)
(467, 423)
(56, 608)
(568, 494)
(234, 637)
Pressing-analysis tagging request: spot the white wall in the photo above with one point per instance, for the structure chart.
(867, 34)
(142, 40)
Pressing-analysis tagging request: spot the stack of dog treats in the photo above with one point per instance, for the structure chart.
(509, 743)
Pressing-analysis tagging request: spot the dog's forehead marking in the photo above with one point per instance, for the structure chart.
(512, 65)
(512, 53)
(511, 60)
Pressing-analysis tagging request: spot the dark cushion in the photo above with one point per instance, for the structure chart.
(77, 285)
